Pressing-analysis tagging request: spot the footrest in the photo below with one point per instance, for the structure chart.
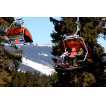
(17, 41)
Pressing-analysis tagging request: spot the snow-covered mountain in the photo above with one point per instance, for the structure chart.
(36, 57)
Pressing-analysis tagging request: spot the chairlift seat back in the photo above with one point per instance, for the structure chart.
(15, 31)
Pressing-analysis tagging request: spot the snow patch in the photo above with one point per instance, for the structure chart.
(45, 45)
(42, 54)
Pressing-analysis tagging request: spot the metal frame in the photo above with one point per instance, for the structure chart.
(75, 36)
(17, 37)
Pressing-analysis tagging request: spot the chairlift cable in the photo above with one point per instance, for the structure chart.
(93, 19)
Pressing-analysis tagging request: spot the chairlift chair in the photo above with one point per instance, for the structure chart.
(73, 41)
(77, 41)
(18, 34)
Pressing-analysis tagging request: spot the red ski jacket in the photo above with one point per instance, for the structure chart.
(73, 54)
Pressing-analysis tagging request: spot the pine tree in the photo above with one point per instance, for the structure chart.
(9, 60)
(90, 30)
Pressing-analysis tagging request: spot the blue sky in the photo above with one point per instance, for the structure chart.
(41, 28)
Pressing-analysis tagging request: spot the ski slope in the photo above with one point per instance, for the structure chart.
(40, 67)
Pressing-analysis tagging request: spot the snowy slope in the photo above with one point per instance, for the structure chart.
(40, 67)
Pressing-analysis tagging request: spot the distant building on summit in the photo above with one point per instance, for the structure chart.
(46, 43)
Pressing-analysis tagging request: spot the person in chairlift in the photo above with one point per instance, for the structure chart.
(73, 56)
(61, 60)
(80, 52)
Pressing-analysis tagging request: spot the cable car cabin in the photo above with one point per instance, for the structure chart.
(77, 42)
(19, 34)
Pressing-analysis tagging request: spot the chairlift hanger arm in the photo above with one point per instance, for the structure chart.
(75, 35)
